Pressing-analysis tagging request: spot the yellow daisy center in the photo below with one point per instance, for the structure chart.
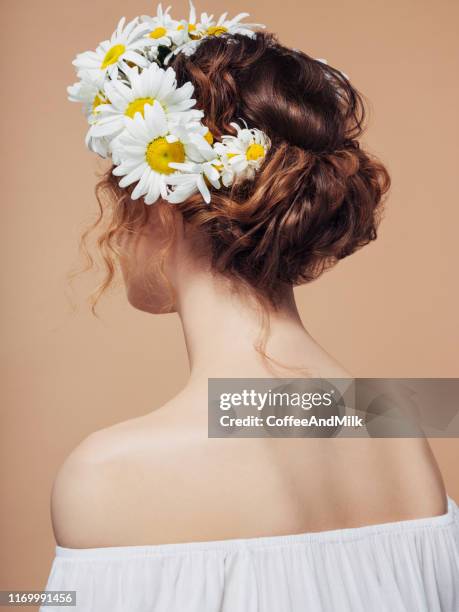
(137, 106)
(158, 32)
(113, 55)
(160, 153)
(216, 30)
(191, 27)
(254, 152)
(209, 137)
(99, 99)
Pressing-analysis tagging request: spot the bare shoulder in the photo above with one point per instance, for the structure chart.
(101, 481)
(154, 480)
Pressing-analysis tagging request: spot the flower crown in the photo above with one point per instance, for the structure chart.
(149, 126)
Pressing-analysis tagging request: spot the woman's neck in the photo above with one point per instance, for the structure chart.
(222, 329)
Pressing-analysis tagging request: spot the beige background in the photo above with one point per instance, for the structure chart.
(390, 310)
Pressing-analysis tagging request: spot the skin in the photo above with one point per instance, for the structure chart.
(159, 479)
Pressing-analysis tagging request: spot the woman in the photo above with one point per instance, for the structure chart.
(152, 514)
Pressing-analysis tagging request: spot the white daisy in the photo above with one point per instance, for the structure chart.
(101, 146)
(233, 26)
(199, 140)
(245, 152)
(192, 178)
(89, 91)
(194, 175)
(163, 30)
(125, 45)
(195, 31)
(140, 90)
(147, 147)
(188, 27)
(226, 171)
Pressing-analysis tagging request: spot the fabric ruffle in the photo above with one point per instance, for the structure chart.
(406, 566)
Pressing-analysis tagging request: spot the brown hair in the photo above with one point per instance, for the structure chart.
(316, 198)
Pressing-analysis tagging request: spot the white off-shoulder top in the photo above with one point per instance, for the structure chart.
(405, 566)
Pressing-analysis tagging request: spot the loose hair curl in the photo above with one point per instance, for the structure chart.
(317, 197)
